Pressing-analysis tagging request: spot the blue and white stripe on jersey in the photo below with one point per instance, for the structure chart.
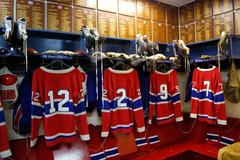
(219, 98)
(202, 95)
(2, 120)
(59, 135)
(156, 99)
(153, 139)
(37, 110)
(121, 126)
(175, 97)
(98, 156)
(212, 137)
(141, 141)
(112, 152)
(226, 140)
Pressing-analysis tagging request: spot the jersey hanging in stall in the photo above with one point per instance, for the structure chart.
(58, 99)
(4, 146)
(207, 102)
(122, 102)
(164, 100)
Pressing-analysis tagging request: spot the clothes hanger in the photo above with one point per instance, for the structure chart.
(163, 67)
(60, 62)
(205, 65)
(120, 65)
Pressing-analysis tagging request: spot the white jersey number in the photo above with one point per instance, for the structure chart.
(120, 102)
(207, 84)
(163, 91)
(61, 107)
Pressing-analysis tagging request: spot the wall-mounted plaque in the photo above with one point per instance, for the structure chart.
(6, 9)
(159, 32)
(86, 3)
(144, 27)
(107, 24)
(187, 14)
(172, 33)
(111, 6)
(221, 6)
(59, 17)
(126, 27)
(127, 7)
(62, 1)
(204, 30)
(84, 16)
(144, 9)
(203, 9)
(237, 22)
(188, 33)
(159, 11)
(172, 15)
(33, 12)
(223, 22)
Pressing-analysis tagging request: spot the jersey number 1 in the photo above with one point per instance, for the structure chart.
(61, 108)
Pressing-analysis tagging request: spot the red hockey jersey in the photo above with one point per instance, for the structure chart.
(4, 146)
(164, 101)
(207, 100)
(58, 99)
(122, 104)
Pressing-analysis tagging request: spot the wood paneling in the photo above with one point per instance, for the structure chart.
(86, 3)
(188, 33)
(203, 9)
(236, 4)
(172, 33)
(187, 14)
(33, 12)
(223, 22)
(127, 7)
(111, 6)
(144, 27)
(204, 30)
(237, 22)
(107, 24)
(84, 16)
(126, 27)
(144, 9)
(63, 1)
(172, 15)
(221, 6)
(6, 9)
(159, 32)
(159, 12)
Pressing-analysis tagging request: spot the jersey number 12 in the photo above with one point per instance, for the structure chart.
(61, 108)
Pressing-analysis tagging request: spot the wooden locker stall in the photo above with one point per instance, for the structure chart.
(203, 9)
(187, 14)
(172, 33)
(204, 30)
(159, 12)
(84, 16)
(188, 33)
(63, 1)
(144, 27)
(222, 6)
(223, 22)
(159, 32)
(172, 15)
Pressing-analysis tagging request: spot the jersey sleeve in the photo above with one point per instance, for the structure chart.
(175, 97)
(80, 109)
(4, 146)
(106, 115)
(138, 106)
(219, 102)
(37, 109)
(194, 96)
(152, 99)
